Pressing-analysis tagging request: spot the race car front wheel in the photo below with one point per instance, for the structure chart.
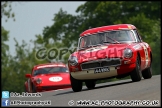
(136, 73)
(33, 89)
(25, 88)
(76, 84)
(90, 84)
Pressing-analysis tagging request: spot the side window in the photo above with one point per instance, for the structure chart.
(138, 36)
(131, 35)
(82, 43)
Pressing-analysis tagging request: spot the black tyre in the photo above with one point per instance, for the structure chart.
(33, 89)
(25, 89)
(147, 73)
(76, 84)
(136, 73)
(90, 84)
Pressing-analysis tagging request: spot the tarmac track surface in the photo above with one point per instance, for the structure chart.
(147, 92)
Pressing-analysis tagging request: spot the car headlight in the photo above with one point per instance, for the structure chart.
(128, 53)
(73, 60)
(38, 80)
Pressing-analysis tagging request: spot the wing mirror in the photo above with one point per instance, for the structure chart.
(28, 75)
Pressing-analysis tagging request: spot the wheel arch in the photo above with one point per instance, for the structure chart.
(151, 56)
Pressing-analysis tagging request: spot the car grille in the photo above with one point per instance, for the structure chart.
(101, 63)
(56, 87)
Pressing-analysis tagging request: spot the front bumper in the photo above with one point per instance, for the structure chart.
(114, 71)
(89, 74)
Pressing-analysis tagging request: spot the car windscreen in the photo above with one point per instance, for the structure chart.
(50, 70)
(107, 37)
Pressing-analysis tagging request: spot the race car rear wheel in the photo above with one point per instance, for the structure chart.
(147, 73)
(136, 73)
(76, 84)
(90, 84)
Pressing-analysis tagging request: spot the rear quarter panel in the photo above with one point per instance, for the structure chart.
(144, 52)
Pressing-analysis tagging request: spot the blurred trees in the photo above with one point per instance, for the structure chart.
(6, 10)
(15, 67)
(155, 42)
(65, 31)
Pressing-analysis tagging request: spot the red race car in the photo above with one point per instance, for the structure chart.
(49, 76)
(108, 52)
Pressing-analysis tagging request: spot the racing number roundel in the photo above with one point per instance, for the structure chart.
(146, 55)
(55, 79)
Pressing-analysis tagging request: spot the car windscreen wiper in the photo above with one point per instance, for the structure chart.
(112, 40)
(88, 46)
(106, 42)
(91, 46)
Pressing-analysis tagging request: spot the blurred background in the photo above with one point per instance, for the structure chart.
(28, 26)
